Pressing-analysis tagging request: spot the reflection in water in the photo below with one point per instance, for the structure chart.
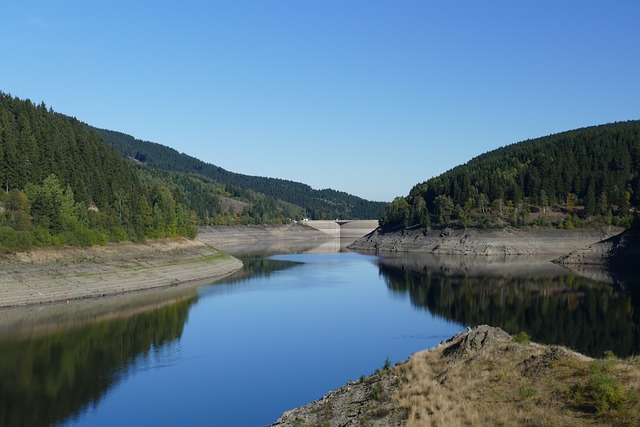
(260, 267)
(553, 308)
(48, 378)
(270, 247)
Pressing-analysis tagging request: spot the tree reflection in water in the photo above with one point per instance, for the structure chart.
(50, 378)
(553, 307)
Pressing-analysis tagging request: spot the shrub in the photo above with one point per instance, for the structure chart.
(24, 241)
(387, 364)
(375, 393)
(606, 392)
(522, 338)
(602, 391)
(527, 393)
(12, 240)
(385, 367)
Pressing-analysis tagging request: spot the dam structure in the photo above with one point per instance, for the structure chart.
(343, 229)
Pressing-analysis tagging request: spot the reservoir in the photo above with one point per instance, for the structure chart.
(282, 333)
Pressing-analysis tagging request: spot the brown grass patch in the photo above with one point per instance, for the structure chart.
(497, 381)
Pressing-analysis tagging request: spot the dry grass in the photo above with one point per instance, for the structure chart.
(507, 383)
(485, 377)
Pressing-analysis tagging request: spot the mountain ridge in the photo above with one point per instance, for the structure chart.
(333, 203)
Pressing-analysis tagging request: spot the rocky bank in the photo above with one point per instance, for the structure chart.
(619, 250)
(548, 242)
(613, 260)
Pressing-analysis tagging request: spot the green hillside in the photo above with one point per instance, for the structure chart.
(63, 185)
(581, 177)
(315, 204)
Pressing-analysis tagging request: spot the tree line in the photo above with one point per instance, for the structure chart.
(574, 178)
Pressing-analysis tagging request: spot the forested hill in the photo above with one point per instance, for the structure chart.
(318, 204)
(581, 177)
(63, 185)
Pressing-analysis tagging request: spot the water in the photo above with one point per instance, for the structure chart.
(281, 334)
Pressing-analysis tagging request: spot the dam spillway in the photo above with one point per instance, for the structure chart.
(344, 229)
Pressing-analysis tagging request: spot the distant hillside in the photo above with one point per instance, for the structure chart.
(570, 179)
(316, 204)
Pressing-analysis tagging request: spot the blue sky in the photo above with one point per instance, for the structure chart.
(364, 96)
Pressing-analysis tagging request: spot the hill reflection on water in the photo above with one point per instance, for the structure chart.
(51, 375)
(521, 294)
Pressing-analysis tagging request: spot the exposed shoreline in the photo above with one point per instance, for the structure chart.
(605, 254)
(546, 242)
(55, 275)
(61, 275)
(68, 274)
(263, 239)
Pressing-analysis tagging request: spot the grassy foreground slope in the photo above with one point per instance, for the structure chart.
(485, 377)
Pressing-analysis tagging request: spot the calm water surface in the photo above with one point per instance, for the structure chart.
(281, 334)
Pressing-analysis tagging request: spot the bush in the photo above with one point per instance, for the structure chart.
(24, 241)
(12, 240)
(602, 391)
(522, 338)
(7, 239)
(42, 236)
(375, 393)
(527, 393)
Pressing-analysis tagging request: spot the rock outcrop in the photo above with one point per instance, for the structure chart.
(366, 402)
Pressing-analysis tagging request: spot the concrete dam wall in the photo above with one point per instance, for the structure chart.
(344, 228)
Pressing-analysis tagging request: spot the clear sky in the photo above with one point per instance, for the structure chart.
(364, 96)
